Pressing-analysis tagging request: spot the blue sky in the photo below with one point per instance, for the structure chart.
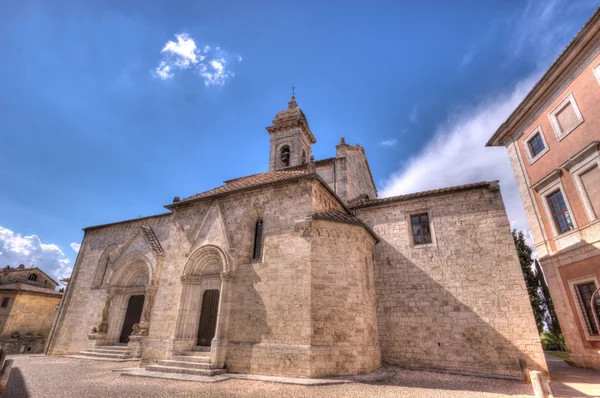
(110, 109)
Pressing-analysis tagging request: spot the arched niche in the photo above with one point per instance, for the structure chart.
(103, 266)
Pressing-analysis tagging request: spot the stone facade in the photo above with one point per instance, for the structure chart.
(315, 275)
(569, 164)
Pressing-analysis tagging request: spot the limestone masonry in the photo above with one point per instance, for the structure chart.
(302, 271)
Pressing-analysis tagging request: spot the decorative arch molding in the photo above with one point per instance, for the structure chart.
(103, 266)
(207, 260)
(134, 270)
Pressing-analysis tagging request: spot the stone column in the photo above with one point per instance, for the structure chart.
(189, 310)
(218, 348)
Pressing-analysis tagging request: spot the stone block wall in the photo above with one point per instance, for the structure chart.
(344, 335)
(460, 303)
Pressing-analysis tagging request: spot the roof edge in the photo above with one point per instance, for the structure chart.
(491, 185)
(124, 221)
(537, 89)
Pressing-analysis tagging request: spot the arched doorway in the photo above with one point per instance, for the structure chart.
(128, 287)
(200, 305)
(208, 317)
(133, 315)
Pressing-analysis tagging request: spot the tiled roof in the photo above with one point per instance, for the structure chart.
(576, 39)
(343, 217)
(433, 192)
(336, 215)
(251, 181)
(29, 288)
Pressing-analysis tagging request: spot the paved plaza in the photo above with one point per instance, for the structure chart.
(37, 376)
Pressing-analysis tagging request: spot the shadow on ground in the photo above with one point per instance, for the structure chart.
(16, 387)
(571, 381)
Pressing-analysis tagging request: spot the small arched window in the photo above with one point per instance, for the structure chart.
(33, 277)
(285, 156)
(258, 231)
(303, 157)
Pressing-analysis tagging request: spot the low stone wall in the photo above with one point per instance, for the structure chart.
(23, 345)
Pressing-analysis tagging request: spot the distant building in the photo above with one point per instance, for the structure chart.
(28, 307)
(553, 141)
(302, 271)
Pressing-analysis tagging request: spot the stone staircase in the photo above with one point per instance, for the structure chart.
(116, 352)
(195, 362)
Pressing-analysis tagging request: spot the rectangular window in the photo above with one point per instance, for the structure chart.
(591, 184)
(5, 301)
(560, 212)
(584, 296)
(536, 145)
(420, 229)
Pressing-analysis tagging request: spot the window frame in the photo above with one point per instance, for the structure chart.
(5, 300)
(580, 313)
(530, 157)
(419, 212)
(545, 188)
(560, 135)
(597, 72)
(562, 213)
(258, 246)
(581, 163)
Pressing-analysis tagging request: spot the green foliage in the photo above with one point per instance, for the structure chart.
(553, 325)
(29, 334)
(553, 342)
(531, 280)
(15, 335)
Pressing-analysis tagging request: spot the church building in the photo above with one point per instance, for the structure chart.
(303, 271)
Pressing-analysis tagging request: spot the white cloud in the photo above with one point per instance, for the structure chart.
(75, 246)
(164, 71)
(457, 154)
(391, 142)
(28, 250)
(210, 64)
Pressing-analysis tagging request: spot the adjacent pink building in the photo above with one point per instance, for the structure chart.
(553, 140)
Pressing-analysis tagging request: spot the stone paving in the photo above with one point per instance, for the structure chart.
(570, 381)
(38, 376)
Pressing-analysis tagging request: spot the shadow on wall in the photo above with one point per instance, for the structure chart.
(16, 386)
(423, 325)
(248, 318)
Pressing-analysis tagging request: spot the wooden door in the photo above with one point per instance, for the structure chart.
(132, 316)
(208, 317)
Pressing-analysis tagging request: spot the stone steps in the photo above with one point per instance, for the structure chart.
(190, 358)
(200, 348)
(189, 371)
(116, 352)
(185, 364)
(110, 351)
(105, 355)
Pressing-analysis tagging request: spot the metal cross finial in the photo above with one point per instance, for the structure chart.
(293, 90)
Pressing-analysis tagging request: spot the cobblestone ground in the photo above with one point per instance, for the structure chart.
(37, 376)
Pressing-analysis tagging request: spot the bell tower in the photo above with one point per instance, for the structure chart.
(291, 138)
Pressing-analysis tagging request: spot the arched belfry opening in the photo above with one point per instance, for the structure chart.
(284, 157)
(291, 138)
(200, 303)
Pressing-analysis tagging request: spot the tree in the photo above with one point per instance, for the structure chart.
(531, 280)
(553, 325)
